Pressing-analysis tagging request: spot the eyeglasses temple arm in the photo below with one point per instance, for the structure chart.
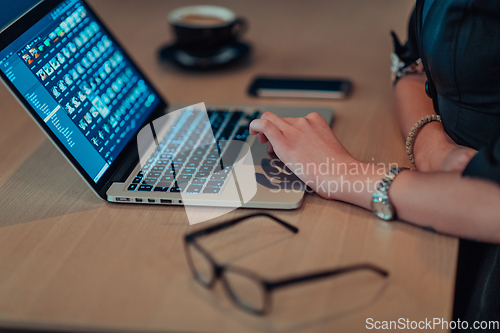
(320, 275)
(227, 224)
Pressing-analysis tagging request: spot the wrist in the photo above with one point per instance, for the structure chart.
(357, 185)
(381, 204)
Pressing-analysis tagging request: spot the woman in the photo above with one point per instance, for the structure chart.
(456, 44)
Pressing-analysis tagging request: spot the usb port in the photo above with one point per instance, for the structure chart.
(165, 201)
(138, 200)
(151, 200)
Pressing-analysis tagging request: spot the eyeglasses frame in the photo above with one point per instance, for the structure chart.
(268, 286)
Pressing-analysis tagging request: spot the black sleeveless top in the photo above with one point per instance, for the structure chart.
(461, 50)
(459, 44)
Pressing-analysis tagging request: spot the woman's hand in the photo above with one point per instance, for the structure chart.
(299, 142)
(309, 149)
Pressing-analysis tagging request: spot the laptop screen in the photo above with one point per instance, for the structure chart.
(79, 82)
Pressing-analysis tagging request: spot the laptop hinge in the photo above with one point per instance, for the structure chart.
(131, 157)
(121, 174)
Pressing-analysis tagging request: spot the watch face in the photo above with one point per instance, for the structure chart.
(381, 210)
(381, 207)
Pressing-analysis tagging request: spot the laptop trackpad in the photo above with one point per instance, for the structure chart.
(259, 152)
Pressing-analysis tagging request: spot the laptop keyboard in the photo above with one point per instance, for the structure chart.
(189, 160)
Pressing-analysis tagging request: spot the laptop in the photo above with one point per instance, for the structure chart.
(93, 102)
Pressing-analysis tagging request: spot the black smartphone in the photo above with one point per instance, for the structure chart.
(300, 87)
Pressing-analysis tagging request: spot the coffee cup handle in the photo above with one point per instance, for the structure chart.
(240, 27)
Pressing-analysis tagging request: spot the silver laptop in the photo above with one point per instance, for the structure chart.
(105, 116)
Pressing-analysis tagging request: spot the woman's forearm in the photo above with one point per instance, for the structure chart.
(412, 103)
(447, 202)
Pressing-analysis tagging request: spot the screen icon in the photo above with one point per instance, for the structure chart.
(27, 58)
(68, 79)
(88, 117)
(75, 102)
(53, 36)
(74, 74)
(42, 75)
(60, 58)
(48, 69)
(72, 47)
(83, 124)
(54, 63)
(82, 96)
(61, 85)
(59, 32)
(55, 92)
(34, 53)
(80, 69)
(66, 52)
(69, 108)
(78, 42)
(64, 26)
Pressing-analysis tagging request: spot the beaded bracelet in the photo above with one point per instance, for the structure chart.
(410, 141)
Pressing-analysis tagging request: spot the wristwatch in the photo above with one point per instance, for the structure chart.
(381, 205)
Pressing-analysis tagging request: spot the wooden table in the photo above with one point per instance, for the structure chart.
(70, 260)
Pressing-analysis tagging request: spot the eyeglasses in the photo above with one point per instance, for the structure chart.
(246, 289)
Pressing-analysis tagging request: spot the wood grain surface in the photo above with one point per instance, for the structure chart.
(70, 260)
